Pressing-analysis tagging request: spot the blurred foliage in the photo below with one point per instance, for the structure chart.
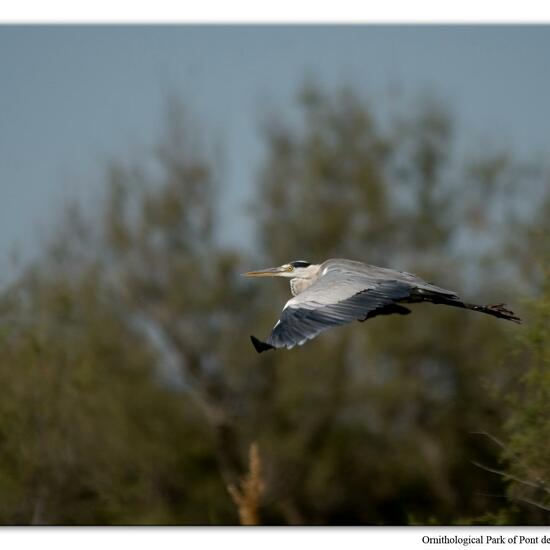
(527, 446)
(132, 394)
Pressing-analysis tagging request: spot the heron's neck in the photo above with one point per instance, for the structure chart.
(299, 284)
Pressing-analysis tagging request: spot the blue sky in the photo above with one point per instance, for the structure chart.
(73, 96)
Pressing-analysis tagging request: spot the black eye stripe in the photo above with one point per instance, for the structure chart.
(300, 263)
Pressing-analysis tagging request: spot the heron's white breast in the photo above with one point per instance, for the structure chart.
(299, 285)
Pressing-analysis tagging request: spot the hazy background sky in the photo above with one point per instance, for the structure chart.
(73, 96)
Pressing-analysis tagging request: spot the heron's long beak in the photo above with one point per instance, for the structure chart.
(271, 272)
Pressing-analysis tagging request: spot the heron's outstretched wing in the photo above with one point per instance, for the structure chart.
(336, 298)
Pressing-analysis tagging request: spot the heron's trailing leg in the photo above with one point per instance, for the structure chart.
(496, 310)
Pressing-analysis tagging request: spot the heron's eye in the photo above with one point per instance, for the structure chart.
(290, 268)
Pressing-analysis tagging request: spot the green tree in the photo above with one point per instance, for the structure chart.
(395, 401)
(526, 451)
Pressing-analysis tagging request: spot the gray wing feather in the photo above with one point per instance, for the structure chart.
(345, 292)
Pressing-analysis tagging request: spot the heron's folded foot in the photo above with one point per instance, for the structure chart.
(386, 310)
(504, 312)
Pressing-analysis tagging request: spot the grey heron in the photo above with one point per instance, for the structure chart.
(338, 291)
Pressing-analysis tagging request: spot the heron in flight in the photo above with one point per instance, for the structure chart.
(337, 292)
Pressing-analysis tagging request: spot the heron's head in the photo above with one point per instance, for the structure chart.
(294, 270)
